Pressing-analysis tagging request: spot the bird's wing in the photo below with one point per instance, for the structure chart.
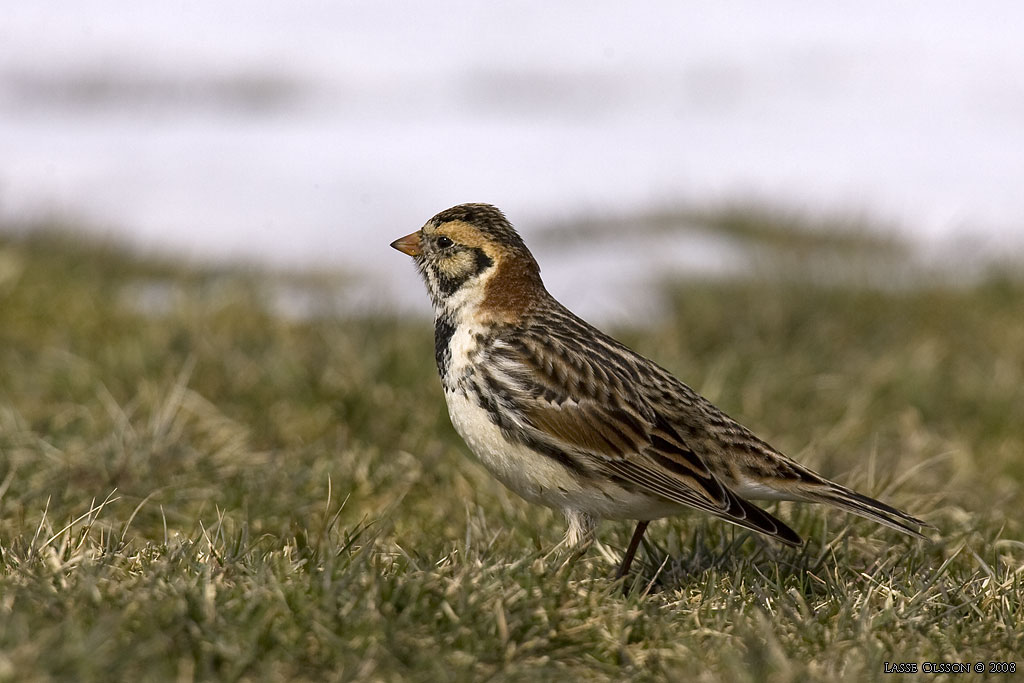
(589, 406)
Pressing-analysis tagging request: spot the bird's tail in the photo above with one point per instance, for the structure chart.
(865, 506)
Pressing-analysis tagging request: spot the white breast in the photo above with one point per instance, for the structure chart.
(464, 349)
(535, 477)
(531, 475)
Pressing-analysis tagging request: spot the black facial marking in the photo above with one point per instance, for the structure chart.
(483, 261)
(449, 285)
(444, 328)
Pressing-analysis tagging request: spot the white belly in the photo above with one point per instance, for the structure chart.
(533, 476)
(542, 479)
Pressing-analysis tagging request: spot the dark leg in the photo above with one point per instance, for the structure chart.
(634, 543)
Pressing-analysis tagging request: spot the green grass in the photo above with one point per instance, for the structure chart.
(194, 486)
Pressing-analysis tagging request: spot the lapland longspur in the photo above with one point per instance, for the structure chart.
(568, 417)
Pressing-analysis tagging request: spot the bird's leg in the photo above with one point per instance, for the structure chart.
(634, 543)
(579, 536)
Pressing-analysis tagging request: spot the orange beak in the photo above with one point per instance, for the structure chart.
(410, 244)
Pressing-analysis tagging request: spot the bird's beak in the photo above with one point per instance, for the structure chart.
(410, 244)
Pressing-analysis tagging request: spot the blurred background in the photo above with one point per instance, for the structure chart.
(311, 134)
(222, 452)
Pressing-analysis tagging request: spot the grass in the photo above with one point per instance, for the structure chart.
(194, 486)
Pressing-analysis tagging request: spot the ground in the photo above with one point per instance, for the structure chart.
(197, 483)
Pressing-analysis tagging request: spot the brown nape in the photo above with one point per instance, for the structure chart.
(515, 285)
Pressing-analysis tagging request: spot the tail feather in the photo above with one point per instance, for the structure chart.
(865, 506)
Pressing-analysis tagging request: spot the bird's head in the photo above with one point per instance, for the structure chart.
(473, 260)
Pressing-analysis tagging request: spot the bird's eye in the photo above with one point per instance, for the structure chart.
(444, 242)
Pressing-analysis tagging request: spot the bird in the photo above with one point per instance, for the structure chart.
(567, 417)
